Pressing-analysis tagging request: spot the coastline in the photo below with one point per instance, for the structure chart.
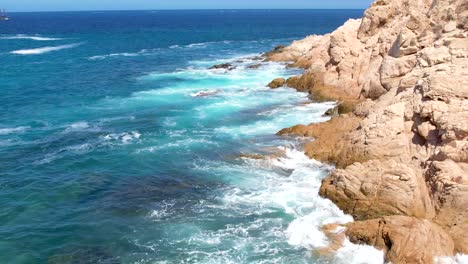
(398, 135)
(151, 156)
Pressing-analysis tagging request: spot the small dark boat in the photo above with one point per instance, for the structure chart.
(3, 15)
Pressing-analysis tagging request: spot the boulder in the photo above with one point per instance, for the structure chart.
(227, 66)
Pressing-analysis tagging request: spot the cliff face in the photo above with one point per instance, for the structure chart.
(402, 154)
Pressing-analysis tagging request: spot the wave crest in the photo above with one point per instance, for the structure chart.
(43, 50)
(34, 37)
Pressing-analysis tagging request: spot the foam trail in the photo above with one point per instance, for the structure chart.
(44, 49)
(37, 38)
(124, 54)
(265, 189)
(458, 259)
(6, 131)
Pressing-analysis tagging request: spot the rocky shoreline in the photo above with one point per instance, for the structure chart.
(399, 133)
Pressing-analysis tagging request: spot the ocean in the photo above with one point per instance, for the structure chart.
(118, 144)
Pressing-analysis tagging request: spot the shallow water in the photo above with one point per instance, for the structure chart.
(109, 154)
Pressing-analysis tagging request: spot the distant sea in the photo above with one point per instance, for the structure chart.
(119, 145)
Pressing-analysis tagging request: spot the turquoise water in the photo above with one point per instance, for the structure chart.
(109, 154)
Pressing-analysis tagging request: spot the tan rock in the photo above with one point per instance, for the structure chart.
(404, 239)
(302, 83)
(379, 188)
(330, 137)
(450, 26)
(433, 56)
(336, 237)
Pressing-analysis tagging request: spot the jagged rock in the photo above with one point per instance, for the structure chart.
(276, 50)
(433, 56)
(254, 66)
(227, 66)
(336, 236)
(302, 83)
(379, 188)
(403, 71)
(403, 239)
(277, 83)
(334, 111)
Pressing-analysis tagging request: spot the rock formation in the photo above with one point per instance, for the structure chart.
(401, 142)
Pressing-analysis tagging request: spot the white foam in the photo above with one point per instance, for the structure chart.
(284, 116)
(198, 44)
(458, 259)
(6, 131)
(163, 211)
(124, 54)
(461, 259)
(79, 125)
(142, 52)
(204, 93)
(43, 50)
(125, 137)
(34, 37)
(265, 188)
(358, 254)
(186, 143)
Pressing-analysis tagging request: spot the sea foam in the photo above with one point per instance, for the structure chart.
(43, 50)
(123, 54)
(29, 37)
(12, 130)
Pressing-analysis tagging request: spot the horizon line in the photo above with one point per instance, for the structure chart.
(183, 9)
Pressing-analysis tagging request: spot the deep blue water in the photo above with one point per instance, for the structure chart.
(109, 156)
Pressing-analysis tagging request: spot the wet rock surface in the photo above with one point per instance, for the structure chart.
(227, 66)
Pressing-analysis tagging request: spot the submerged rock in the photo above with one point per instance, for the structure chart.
(276, 50)
(227, 66)
(205, 93)
(252, 156)
(336, 236)
(254, 66)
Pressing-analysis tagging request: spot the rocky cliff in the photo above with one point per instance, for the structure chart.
(400, 134)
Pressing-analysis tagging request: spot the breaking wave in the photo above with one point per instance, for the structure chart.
(8, 130)
(30, 37)
(43, 50)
